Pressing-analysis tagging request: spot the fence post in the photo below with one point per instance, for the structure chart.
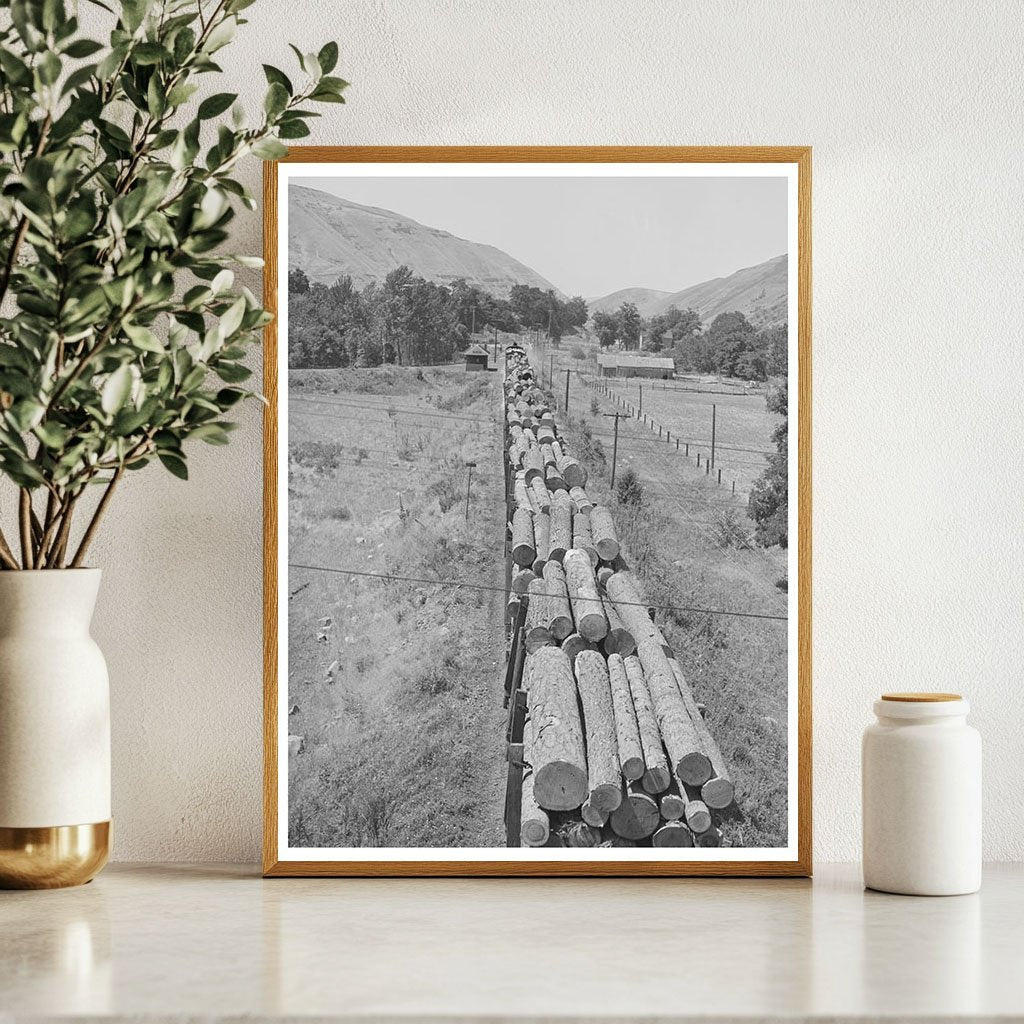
(713, 409)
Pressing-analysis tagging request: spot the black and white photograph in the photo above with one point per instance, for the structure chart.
(538, 580)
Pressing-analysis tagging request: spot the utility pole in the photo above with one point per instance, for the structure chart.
(713, 407)
(640, 411)
(551, 372)
(567, 392)
(474, 320)
(469, 483)
(615, 444)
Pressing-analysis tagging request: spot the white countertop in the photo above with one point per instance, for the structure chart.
(180, 941)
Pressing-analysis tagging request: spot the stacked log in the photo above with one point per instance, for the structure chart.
(559, 611)
(524, 551)
(559, 755)
(534, 822)
(581, 537)
(616, 751)
(587, 609)
(605, 774)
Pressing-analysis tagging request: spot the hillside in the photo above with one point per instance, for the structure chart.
(760, 292)
(645, 299)
(329, 237)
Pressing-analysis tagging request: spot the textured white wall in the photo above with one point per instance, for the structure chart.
(913, 110)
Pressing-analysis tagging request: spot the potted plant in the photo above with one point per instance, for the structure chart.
(122, 343)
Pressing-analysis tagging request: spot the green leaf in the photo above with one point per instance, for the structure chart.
(116, 390)
(293, 130)
(222, 281)
(53, 435)
(174, 464)
(214, 105)
(16, 70)
(181, 94)
(82, 48)
(328, 57)
(276, 99)
(48, 68)
(145, 54)
(274, 75)
(144, 338)
(211, 433)
(26, 414)
(221, 35)
(232, 319)
(269, 149)
(232, 373)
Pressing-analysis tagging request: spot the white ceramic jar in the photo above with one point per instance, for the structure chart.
(921, 779)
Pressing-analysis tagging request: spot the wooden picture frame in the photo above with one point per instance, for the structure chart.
(799, 862)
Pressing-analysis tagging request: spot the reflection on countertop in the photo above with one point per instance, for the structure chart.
(179, 941)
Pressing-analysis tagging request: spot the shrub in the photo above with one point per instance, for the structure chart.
(629, 489)
(320, 456)
(594, 407)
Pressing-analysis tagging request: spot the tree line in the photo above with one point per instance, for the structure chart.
(408, 320)
(730, 345)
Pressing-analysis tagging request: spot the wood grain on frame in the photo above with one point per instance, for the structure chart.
(272, 866)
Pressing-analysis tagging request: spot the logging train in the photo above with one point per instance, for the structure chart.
(607, 745)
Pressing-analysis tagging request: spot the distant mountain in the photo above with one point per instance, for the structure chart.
(759, 292)
(645, 299)
(329, 237)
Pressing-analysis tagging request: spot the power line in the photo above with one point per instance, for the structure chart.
(503, 590)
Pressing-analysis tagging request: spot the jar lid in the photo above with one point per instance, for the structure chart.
(921, 698)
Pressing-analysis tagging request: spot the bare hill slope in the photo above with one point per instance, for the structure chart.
(329, 237)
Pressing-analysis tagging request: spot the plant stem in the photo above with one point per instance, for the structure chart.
(94, 523)
(25, 523)
(87, 357)
(6, 554)
(60, 542)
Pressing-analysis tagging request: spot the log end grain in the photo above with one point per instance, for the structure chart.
(637, 816)
(672, 833)
(656, 779)
(593, 815)
(632, 768)
(718, 792)
(713, 837)
(695, 768)
(697, 816)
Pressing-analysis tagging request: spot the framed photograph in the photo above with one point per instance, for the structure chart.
(538, 511)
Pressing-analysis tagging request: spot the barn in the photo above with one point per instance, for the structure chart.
(476, 358)
(628, 364)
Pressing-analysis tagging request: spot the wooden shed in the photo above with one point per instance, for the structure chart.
(476, 358)
(628, 364)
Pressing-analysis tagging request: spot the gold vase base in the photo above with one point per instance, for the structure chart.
(53, 857)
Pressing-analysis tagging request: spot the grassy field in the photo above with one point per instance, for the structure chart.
(395, 687)
(743, 426)
(686, 539)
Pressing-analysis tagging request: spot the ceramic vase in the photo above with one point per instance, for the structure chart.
(54, 731)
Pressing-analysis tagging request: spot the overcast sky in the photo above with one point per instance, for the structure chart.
(592, 236)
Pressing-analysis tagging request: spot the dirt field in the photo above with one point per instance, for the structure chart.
(395, 687)
(685, 539)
